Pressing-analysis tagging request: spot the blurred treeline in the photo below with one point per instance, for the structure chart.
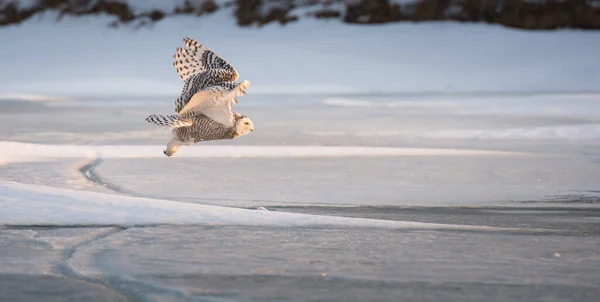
(524, 14)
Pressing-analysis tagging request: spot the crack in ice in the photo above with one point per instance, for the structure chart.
(62, 267)
(89, 172)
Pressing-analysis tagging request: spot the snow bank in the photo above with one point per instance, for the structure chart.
(528, 104)
(11, 152)
(32, 97)
(24, 204)
(84, 57)
(569, 133)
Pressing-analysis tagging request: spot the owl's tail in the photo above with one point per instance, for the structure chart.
(171, 121)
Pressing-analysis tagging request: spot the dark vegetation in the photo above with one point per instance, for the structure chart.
(523, 14)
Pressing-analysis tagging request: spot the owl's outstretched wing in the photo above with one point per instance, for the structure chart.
(201, 81)
(196, 58)
(215, 101)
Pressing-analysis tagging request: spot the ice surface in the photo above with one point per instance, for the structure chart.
(394, 121)
(374, 181)
(347, 254)
(258, 263)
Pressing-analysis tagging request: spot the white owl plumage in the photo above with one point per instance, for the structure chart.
(203, 110)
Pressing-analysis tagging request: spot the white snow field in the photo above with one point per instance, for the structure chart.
(412, 162)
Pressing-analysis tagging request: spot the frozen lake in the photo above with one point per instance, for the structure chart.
(413, 199)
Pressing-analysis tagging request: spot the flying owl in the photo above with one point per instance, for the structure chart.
(204, 106)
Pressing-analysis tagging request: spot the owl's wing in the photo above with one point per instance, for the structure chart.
(200, 81)
(196, 58)
(215, 101)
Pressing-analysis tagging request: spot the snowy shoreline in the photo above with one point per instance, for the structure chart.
(311, 56)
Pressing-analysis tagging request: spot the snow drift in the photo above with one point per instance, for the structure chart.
(11, 152)
(24, 204)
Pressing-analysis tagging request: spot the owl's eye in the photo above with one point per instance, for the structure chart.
(246, 123)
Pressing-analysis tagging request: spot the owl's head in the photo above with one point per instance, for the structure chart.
(243, 126)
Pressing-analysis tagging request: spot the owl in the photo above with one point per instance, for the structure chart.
(203, 110)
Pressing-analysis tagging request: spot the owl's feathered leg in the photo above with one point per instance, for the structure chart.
(172, 147)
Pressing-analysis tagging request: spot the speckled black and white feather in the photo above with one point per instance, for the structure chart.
(203, 128)
(196, 58)
(199, 67)
(172, 121)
